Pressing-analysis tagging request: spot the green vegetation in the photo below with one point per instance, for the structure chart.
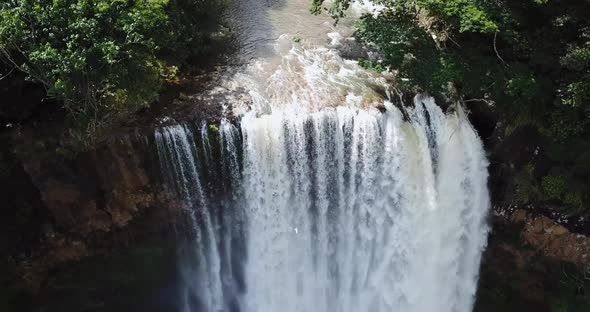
(527, 189)
(468, 14)
(104, 59)
(214, 128)
(554, 186)
(528, 60)
(574, 287)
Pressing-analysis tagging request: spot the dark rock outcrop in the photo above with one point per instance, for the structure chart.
(91, 203)
(518, 275)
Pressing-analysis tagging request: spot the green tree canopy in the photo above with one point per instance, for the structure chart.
(102, 58)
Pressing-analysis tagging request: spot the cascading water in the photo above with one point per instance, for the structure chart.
(318, 201)
(351, 210)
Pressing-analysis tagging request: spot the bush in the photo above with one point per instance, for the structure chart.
(104, 59)
(410, 50)
(94, 55)
(554, 186)
(470, 16)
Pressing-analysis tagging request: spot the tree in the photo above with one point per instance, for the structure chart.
(104, 59)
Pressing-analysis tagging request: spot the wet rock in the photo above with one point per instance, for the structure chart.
(558, 230)
(519, 216)
(515, 277)
(552, 239)
(96, 201)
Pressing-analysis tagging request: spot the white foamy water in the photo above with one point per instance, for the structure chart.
(355, 210)
(326, 197)
(303, 79)
(344, 209)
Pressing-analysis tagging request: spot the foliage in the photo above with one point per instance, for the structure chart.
(336, 10)
(88, 53)
(530, 58)
(554, 186)
(405, 47)
(573, 286)
(375, 66)
(469, 15)
(214, 128)
(193, 25)
(574, 202)
(104, 59)
(577, 60)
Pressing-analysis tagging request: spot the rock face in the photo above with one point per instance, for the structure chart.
(94, 202)
(533, 263)
(523, 274)
(552, 239)
(98, 191)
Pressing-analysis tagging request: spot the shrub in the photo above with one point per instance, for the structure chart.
(554, 186)
(470, 16)
(96, 56)
(104, 59)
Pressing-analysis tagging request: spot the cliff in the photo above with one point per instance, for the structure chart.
(102, 224)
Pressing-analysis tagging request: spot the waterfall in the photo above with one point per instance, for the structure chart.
(307, 205)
